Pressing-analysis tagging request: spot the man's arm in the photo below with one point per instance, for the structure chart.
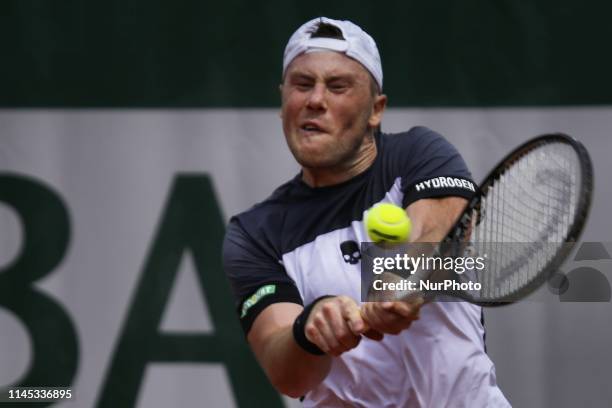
(432, 218)
(334, 325)
(268, 315)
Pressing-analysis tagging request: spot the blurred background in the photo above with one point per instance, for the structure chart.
(130, 131)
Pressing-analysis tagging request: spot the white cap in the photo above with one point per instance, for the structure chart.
(357, 44)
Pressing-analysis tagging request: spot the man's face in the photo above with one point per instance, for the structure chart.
(328, 108)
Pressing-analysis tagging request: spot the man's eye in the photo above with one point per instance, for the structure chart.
(337, 87)
(303, 85)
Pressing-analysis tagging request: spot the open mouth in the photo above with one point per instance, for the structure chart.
(311, 128)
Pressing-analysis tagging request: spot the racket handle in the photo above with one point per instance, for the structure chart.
(367, 331)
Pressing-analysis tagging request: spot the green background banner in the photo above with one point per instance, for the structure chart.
(228, 53)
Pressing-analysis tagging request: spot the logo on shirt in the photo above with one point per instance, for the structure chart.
(256, 297)
(350, 252)
(445, 182)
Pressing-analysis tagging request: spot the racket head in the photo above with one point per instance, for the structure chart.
(574, 177)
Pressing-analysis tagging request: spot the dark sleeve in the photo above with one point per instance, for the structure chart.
(257, 278)
(431, 167)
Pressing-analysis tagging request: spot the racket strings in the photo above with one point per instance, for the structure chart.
(525, 216)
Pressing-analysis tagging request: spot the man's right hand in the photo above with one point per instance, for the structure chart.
(392, 317)
(335, 325)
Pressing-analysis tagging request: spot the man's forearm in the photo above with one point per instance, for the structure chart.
(292, 370)
(433, 218)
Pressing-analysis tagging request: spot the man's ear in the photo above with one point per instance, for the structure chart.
(380, 103)
(280, 90)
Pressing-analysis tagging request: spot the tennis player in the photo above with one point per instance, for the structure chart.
(294, 262)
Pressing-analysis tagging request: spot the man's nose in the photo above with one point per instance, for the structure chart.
(317, 97)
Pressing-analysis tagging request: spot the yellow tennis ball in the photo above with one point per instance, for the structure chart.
(387, 223)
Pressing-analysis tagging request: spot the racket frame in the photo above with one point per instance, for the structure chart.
(457, 232)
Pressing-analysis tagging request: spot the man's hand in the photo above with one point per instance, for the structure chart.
(335, 325)
(391, 317)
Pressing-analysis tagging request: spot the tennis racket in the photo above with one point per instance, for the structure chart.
(525, 215)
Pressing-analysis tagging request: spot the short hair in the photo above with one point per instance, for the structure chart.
(326, 30)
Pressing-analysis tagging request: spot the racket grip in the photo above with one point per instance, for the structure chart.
(367, 331)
